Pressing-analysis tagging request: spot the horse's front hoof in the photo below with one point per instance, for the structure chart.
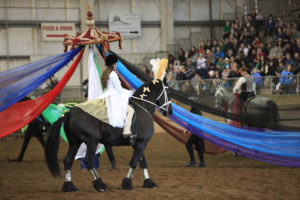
(149, 183)
(99, 185)
(68, 186)
(127, 184)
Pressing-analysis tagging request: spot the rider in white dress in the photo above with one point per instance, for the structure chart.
(119, 113)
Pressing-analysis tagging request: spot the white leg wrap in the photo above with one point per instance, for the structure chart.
(94, 173)
(146, 175)
(68, 175)
(129, 115)
(130, 173)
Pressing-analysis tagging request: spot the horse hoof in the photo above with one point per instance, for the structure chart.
(68, 186)
(99, 185)
(127, 184)
(149, 183)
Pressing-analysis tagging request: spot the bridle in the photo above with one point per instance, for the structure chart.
(166, 104)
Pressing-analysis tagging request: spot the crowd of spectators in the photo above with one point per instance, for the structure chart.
(242, 45)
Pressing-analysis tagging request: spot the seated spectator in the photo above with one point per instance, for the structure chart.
(226, 29)
(296, 65)
(279, 24)
(280, 34)
(225, 73)
(181, 75)
(208, 45)
(286, 80)
(288, 49)
(288, 60)
(181, 57)
(190, 69)
(214, 46)
(209, 57)
(243, 48)
(171, 60)
(252, 34)
(201, 48)
(259, 19)
(147, 71)
(257, 80)
(193, 55)
(253, 18)
(269, 70)
(270, 26)
(266, 48)
(201, 66)
(218, 54)
(195, 82)
(186, 55)
(277, 49)
(256, 43)
(262, 62)
(227, 64)
(245, 36)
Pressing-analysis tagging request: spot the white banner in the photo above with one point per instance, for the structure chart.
(129, 25)
(57, 31)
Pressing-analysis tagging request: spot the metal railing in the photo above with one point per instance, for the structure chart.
(268, 85)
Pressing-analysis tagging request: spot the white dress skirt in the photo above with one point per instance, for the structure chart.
(116, 101)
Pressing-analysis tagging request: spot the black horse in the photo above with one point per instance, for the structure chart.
(35, 128)
(82, 127)
(259, 112)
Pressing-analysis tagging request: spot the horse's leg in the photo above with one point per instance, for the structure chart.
(138, 150)
(110, 154)
(40, 137)
(97, 182)
(148, 182)
(27, 138)
(68, 185)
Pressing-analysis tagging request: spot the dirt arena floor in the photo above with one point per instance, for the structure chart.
(225, 177)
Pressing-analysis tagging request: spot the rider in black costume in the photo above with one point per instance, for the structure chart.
(199, 144)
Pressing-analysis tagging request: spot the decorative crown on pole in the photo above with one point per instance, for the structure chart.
(92, 35)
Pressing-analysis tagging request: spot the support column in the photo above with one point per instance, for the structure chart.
(166, 24)
(6, 35)
(210, 19)
(34, 29)
(84, 61)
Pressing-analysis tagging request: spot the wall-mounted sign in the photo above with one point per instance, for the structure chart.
(129, 25)
(57, 31)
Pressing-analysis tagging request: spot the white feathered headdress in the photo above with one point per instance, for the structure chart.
(159, 67)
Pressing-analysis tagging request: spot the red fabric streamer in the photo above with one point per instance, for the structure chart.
(22, 113)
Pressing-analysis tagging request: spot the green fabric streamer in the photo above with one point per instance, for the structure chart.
(51, 115)
(99, 72)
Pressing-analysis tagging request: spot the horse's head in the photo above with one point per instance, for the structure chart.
(154, 93)
(162, 100)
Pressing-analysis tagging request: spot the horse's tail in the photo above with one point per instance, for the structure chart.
(52, 145)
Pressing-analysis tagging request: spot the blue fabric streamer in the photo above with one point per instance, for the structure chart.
(276, 147)
(19, 82)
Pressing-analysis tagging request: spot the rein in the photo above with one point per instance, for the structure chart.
(144, 109)
(162, 107)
